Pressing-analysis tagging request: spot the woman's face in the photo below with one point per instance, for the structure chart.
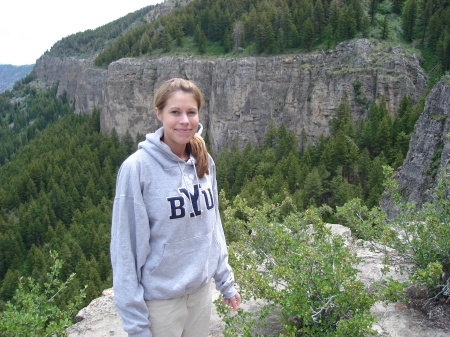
(180, 120)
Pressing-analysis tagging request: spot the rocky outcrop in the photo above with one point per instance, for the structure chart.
(243, 93)
(100, 318)
(429, 150)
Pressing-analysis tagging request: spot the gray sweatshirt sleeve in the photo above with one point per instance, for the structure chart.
(130, 234)
(223, 278)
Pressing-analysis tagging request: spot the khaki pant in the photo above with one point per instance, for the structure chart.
(186, 316)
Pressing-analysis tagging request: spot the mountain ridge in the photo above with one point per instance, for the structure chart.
(9, 74)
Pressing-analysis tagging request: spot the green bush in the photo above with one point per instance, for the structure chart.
(299, 269)
(425, 235)
(420, 234)
(33, 310)
(366, 223)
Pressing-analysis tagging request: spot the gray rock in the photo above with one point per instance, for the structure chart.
(243, 94)
(414, 177)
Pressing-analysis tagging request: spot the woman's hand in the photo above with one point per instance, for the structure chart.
(234, 302)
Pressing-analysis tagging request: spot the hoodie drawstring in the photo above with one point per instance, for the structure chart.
(186, 185)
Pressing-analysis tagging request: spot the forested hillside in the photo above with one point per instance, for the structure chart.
(57, 170)
(9, 74)
(346, 165)
(56, 193)
(89, 42)
(265, 27)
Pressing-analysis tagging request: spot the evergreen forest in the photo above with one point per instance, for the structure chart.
(58, 171)
(346, 165)
(260, 27)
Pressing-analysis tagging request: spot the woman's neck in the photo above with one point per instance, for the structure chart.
(180, 151)
(184, 155)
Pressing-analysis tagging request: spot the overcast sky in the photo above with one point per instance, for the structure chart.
(30, 27)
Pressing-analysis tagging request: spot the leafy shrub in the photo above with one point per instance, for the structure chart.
(418, 233)
(366, 223)
(424, 235)
(299, 268)
(33, 310)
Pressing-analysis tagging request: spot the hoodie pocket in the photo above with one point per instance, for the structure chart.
(184, 267)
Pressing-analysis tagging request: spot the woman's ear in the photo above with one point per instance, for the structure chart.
(158, 114)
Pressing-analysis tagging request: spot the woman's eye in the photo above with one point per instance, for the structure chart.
(192, 113)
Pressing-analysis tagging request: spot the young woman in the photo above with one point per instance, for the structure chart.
(167, 240)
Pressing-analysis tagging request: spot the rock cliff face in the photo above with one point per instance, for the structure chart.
(243, 94)
(429, 149)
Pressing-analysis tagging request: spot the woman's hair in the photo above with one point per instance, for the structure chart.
(197, 145)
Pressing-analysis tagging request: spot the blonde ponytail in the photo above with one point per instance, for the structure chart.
(198, 149)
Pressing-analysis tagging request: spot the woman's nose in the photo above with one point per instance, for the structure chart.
(184, 118)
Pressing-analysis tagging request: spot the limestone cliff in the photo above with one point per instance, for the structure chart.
(243, 93)
(429, 149)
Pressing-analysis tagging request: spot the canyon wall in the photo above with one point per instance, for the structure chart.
(243, 93)
(429, 150)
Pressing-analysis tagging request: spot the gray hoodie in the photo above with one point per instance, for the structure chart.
(167, 238)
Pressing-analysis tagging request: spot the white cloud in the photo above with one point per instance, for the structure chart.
(29, 27)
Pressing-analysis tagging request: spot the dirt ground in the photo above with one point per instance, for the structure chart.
(436, 311)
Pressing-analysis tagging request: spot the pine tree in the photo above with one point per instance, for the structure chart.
(443, 50)
(313, 187)
(270, 137)
(292, 35)
(375, 183)
(292, 171)
(373, 5)
(145, 43)
(399, 149)
(286, 142)
(343, 120)
(11, 254)
(9, 284)
(347, 23)
(164, 40)
(319, 18)
(200, 39)
(385, 28)
(343, 191)
(359, 14)
(227, 41)
(383, 136)
(409, 18)
(434, 31)
(364, 167)
(36, 263)
(308, 34)
(397, 6)
(265, 37)
(266, 165)
(334, 20)
(178, 34)
(404, 121)
(244, 172)
(424, 15)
